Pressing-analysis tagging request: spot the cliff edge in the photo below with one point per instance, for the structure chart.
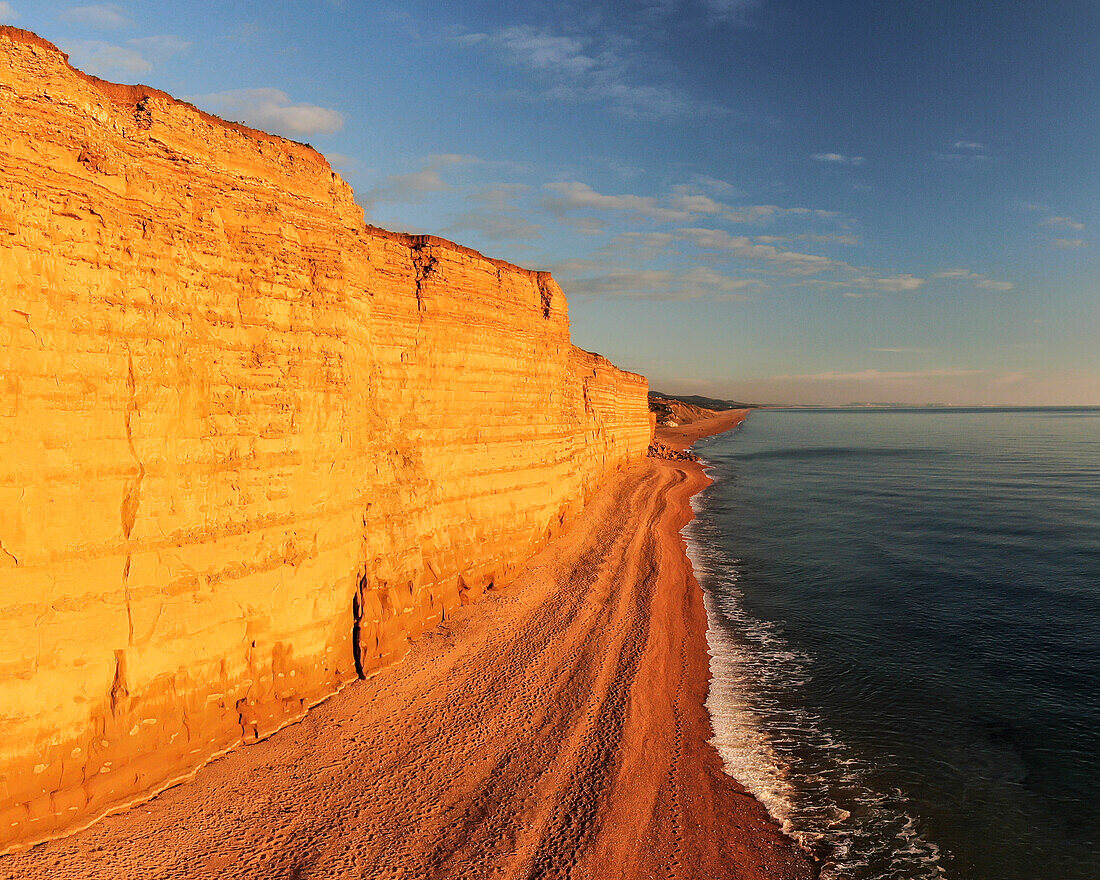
(249, 446)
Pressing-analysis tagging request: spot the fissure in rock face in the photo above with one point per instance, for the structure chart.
(249, 446)
(357, 647)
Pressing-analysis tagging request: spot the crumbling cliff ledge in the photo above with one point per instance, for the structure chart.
(249, 446)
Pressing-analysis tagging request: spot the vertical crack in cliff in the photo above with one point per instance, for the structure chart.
(131, 497)
(357, 626)
(9, 554)
(424, 262)
(545, 294)
(119, 691)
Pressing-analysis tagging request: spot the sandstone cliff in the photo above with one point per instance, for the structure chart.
(249, 446)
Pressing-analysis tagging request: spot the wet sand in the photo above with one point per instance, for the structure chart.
(554, 729)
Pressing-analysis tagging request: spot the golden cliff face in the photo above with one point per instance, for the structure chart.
(249, 446)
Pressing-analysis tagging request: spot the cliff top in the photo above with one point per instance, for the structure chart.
(132, 95)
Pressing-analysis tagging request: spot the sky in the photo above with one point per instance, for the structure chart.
(781, 201)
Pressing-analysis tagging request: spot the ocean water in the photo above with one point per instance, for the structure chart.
(905, 635)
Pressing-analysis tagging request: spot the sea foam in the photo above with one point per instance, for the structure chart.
(815, 788)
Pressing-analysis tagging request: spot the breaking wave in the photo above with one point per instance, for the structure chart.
(813, 784)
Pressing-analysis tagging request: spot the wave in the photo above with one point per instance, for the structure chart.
(819, 790)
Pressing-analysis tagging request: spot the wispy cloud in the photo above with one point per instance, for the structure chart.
(160, 47)
(730, 11)
(1064, 222)
(7, 12)
(272, 110)
(132, 58)
(716, 185)
(837, 159)
(599, 279)
(685, 199)
(587, 69)
(980, 281)
(1059, 222)
(744, 248)
(497, 227)
(816, 237)
(412, 187)
(572, 196)
(964, 151)
(891, 283)
(501, 219)
(877, 375)
(568, 200)
(761, 213)
(102, 16)
(106, 59)
(345, 164)
(904, 350)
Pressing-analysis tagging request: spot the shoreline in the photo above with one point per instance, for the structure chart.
(556, 728)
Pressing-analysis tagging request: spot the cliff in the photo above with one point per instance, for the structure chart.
(249, 446)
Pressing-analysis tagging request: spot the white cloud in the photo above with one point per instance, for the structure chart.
(972, 146)
(132, 58)
(1069, 242)
(7, 12)
(106, 59)
(103, 16)
(272, 110)
(837, 159)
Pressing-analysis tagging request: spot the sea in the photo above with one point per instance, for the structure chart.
(904, 627)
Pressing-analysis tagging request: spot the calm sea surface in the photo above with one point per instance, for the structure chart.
(905, 635)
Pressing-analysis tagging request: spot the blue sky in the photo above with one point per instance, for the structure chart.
(776, 200)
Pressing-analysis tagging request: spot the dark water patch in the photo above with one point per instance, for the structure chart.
(836, 452)
(905, 630)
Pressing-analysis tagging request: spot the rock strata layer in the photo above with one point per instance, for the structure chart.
(249, 446)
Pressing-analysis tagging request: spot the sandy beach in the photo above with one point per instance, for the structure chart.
(556, 728)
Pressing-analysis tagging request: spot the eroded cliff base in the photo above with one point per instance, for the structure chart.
(555, 729)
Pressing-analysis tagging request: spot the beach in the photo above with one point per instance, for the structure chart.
(555, 728)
